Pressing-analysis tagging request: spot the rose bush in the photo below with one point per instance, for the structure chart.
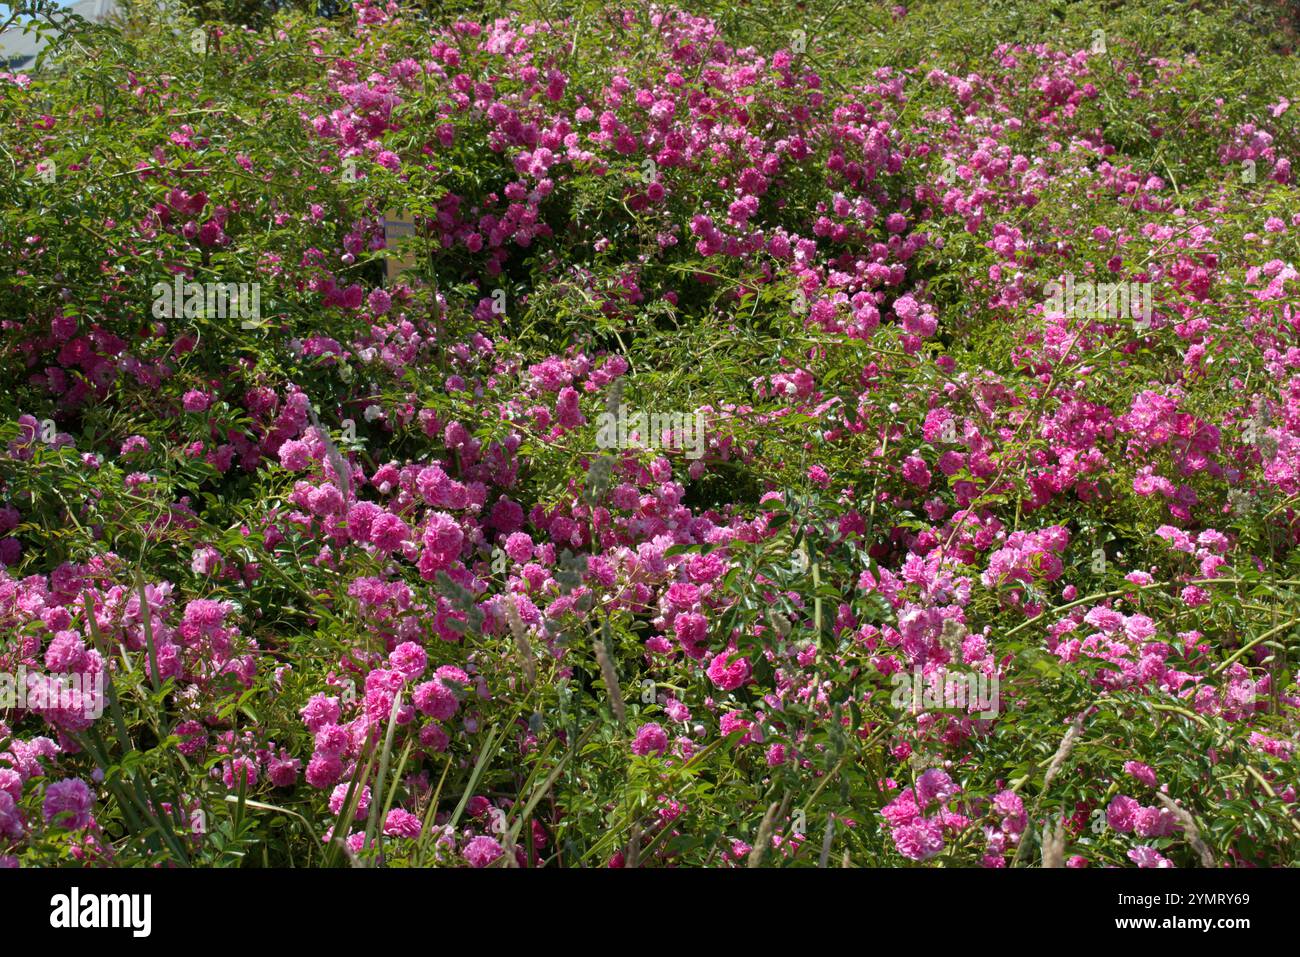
(356, 578)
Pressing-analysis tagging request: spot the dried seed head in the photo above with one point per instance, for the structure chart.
(610, 676)
(764, 838)
(953, 634)
(779, 622)
(522, 644)
(1190, 831)
(1054, 845)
